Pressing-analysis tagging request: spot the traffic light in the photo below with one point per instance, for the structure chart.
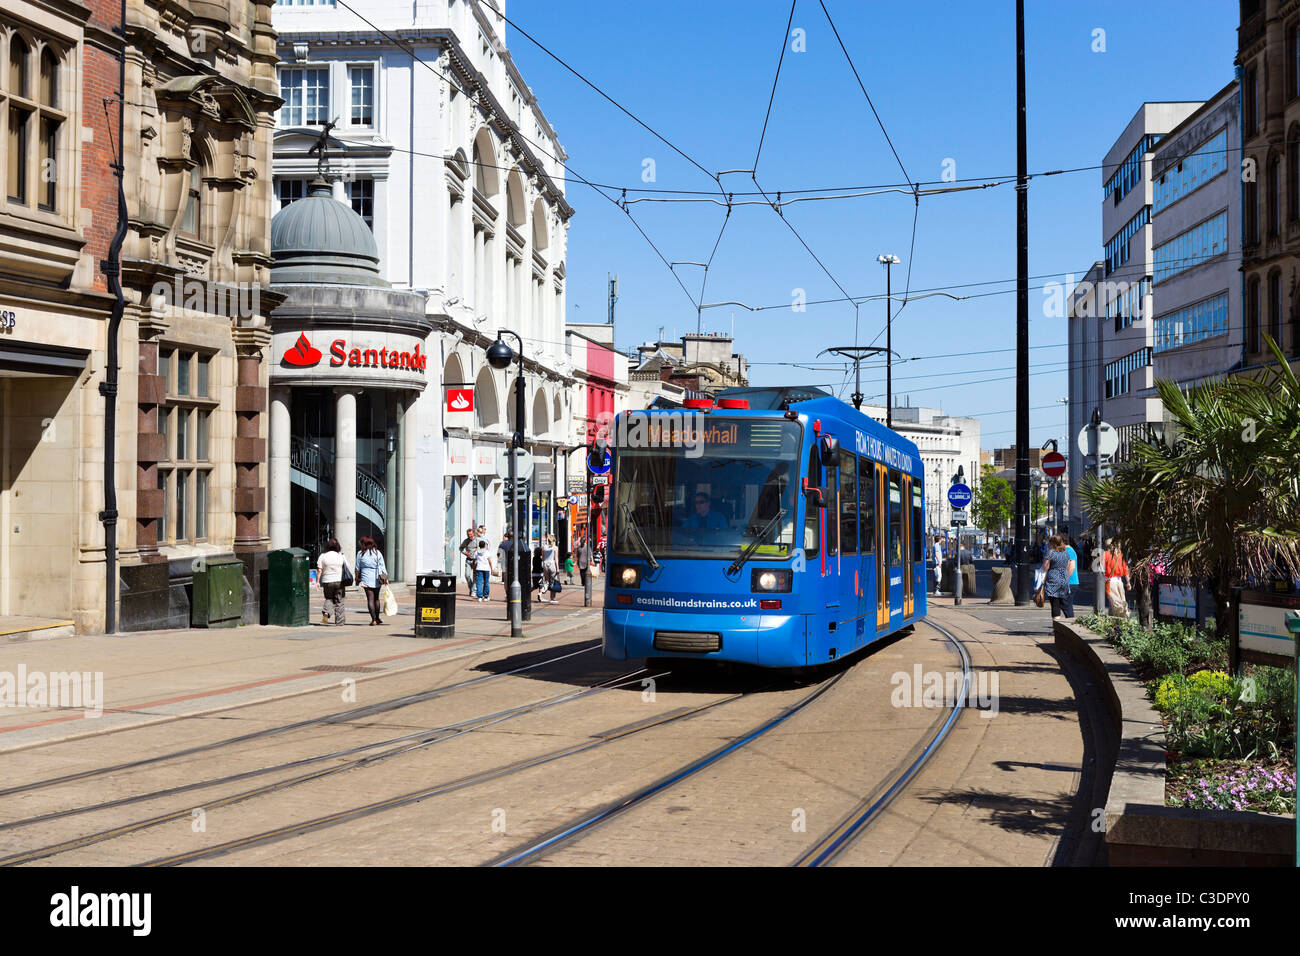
(598, 494)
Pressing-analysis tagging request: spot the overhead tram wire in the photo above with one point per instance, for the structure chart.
(775, 79)
(753, 173)
(619, 106)
(916, 194)
(942, 185)
(474, 99)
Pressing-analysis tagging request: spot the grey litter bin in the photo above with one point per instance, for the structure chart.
(435, 604)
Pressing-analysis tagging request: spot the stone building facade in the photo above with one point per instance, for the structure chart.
(200, 99)
(1268, 61)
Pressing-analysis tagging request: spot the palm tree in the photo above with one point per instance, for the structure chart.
(1215, 499)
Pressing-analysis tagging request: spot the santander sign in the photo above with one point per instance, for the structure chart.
(304, 355)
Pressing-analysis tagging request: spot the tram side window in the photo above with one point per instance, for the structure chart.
(848, 503)
(895, 520)
(867, 503)
(811, 523)
(918, 526)
(832, 509)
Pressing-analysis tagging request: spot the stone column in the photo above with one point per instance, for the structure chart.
(150, 445)
(281, 441)
(250, 447)
(410, 443)
(345, 472)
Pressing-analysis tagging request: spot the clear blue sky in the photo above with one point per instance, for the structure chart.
(944, 85)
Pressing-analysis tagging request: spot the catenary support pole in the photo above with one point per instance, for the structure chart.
(1024, 574)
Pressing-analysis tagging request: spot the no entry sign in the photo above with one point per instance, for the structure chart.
(1053, 464)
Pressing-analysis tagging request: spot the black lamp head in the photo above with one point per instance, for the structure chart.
(500, 355)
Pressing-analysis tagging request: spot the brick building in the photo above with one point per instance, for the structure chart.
(59, 61)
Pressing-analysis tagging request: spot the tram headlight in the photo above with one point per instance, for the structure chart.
(626, 576)
(771, 580)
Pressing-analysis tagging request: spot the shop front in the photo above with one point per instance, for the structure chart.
(350, 366)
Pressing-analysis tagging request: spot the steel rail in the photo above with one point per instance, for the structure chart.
(835, 840)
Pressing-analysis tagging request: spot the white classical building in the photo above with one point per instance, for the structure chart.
(442, 149)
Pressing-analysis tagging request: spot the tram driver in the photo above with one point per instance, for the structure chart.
(704, 517)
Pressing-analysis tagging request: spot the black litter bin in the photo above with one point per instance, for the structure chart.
(435, 604)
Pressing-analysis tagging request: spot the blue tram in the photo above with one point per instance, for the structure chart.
(779, 527)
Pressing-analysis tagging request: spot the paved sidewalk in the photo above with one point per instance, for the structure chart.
(156, 676)
(1012, 789)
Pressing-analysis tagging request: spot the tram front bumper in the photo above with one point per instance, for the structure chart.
(767, 640)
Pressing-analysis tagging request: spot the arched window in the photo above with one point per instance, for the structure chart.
(49, 78)
(18, 52)
(1275, 307)
(1250, 213)
(1274, 199)
(1293, 175)
(33, 122)
(1252, 315)
(192, 220)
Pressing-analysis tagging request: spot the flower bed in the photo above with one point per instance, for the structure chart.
(1231, 741)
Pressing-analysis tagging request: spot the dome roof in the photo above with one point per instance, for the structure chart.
(321, 240)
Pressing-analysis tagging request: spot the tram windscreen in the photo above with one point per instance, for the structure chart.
(704, 486)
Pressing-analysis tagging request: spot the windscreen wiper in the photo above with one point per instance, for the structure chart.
(753, 546)
(636, 531)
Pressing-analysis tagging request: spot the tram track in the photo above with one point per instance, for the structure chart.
(835, 840)
(339, 717)
(407, 743)
(830, 844)
(572, 832)
(600, 739)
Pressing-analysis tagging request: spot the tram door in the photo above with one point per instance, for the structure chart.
(907, 545)
(882, 547)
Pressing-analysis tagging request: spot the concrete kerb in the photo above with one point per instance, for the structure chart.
(329, 683)
(1140, 829)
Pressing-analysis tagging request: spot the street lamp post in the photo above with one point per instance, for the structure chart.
(888, 261)
(499, 356)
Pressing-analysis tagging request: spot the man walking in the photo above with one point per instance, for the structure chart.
(468, 548)
(938, 564)
(582, 555)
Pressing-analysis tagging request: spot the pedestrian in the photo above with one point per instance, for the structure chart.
(1074, 576)
(371, 576)
(330, 567)
(583, 560)
(568, 569)
(483, 568)
(1117, 575)
(938, 564)
(1057, 568)
(467, 548)
(549, 569)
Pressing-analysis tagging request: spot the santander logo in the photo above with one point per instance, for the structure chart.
(302, 355)
(460, 399)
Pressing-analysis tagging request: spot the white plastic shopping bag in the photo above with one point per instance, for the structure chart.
(388, 600)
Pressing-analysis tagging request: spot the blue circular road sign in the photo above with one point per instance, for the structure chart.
(959, 496)
(603, 467)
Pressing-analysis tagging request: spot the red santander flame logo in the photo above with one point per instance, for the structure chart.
(460, 399)
(302, 355)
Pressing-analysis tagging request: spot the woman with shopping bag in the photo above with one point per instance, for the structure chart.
(371, 575)
(1117, 575)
